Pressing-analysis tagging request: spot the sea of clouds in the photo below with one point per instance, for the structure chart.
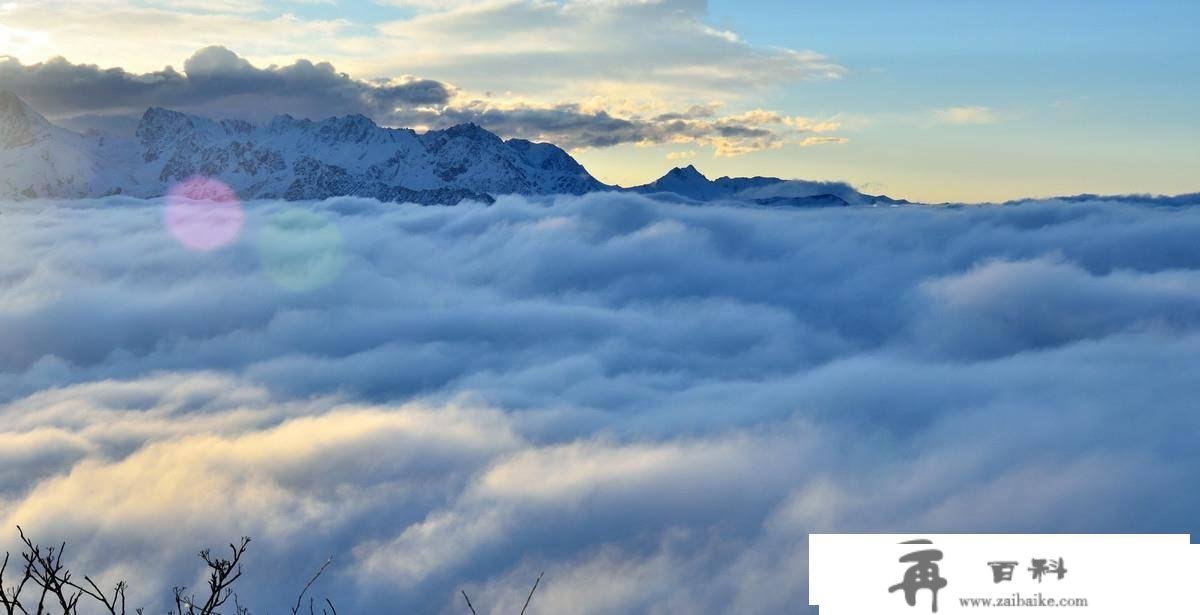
(654, 403)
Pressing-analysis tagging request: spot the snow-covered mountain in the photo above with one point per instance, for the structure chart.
(295, 159)
(285, 158)
(691, 184)
(40, 159)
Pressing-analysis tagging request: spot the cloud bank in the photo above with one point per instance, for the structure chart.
(655, 403)
(212, 77)
(216, 81)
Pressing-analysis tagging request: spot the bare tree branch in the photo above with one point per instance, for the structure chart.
(10, 598)
(58, 593)
(530, 597)
(296, 608)
(468, 599)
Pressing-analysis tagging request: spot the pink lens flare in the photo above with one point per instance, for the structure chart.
(203, 213)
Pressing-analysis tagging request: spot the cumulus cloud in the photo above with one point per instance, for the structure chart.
(219, 82)
(653, 402)
(213, 77)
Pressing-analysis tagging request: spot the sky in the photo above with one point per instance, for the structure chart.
(928, 100)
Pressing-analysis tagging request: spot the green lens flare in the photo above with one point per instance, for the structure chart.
(301, 250)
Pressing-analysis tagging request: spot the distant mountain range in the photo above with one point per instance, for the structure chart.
(296, 159)
(690, 184)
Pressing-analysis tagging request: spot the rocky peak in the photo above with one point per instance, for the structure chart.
(469, 130)
(158, 123)
(354, 128)
(688, 173)
(283, 123)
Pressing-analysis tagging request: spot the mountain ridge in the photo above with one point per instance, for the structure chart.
(690, 183)
(298, 159)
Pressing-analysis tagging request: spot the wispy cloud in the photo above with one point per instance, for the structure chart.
(811, 141)
(961, 116)
(561, 49)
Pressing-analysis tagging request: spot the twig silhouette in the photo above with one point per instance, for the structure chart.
(47, 586)
(296, 609)
(527, 598)
(530, 597)
(468, 599)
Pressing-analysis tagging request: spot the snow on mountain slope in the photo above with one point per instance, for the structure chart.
(285, 158)
(38, 159)
(294, 159)
(19, 125)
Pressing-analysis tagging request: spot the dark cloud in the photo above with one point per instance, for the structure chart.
(565, 125)
(692, 113)
(660, 400)
(215, 80)
(569, 126)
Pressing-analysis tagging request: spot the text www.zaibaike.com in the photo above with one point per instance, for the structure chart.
(1018, 600)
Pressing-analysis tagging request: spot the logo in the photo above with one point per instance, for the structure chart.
(888, 574)
(923, 574)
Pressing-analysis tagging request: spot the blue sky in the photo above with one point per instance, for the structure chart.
(1098, 94)
(928, 100)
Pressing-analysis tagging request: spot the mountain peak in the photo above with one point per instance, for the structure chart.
(157, 120)
(684, 181)
(688, 175)
(353, 128)
(156, 114)
(7, 97)
(356, 119)
(19, 124)
(469, 130)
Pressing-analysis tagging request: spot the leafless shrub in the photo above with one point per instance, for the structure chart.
(45, 586)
